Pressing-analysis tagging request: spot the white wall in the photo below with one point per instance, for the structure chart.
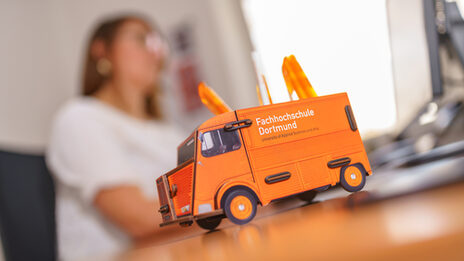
(42, 46)
(31, 79)
(343, 46)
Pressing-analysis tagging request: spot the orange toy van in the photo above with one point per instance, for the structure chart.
(239, 159)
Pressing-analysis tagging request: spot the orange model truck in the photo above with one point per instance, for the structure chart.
(239, 159)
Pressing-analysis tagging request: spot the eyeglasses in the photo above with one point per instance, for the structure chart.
(156, 44)
(152, 41)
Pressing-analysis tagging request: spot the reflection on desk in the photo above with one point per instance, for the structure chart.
(369, 225)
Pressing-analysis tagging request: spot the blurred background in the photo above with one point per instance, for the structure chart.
(375, 50)
(43, 50)
(401, 69)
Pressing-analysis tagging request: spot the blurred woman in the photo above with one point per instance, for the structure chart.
(108, 146)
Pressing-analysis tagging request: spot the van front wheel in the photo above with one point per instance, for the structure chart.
(240, 206)
(307, 196)
(209, 223)
(353, 177)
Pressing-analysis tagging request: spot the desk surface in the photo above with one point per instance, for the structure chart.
(425, 225)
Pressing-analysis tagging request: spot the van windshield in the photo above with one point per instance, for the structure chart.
(186, 151)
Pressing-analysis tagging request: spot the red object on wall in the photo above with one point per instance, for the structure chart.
(188, 81)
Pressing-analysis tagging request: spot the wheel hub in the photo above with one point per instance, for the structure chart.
(241, 207)
(353, 176)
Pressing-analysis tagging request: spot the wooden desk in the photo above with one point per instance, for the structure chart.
(427, 225)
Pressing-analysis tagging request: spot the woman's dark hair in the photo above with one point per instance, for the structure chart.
(106, 31)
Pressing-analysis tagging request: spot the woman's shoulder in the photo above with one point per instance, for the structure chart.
(77, 111)
(79, 121)
(89, 115)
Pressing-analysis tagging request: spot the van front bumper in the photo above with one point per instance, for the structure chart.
(188, 220)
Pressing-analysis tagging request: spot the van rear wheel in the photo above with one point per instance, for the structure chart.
(353, 177)
(209, 223)
(240, 206)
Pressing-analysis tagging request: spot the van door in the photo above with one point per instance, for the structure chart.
(275, 176)
(220, 157)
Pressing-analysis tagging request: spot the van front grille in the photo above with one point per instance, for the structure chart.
(183, 180)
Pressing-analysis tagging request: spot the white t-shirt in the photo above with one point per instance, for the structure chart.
(95, 146)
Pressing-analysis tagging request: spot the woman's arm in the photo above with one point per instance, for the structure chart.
(133, 213)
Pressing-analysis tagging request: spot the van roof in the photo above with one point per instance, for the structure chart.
(230, 116)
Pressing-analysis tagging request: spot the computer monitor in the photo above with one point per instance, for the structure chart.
(444, 27)
(454, 28)
(432, 25)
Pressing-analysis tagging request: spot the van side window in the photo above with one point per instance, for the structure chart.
(219, 141)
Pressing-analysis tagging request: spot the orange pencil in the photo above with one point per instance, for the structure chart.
(267, 88)
(291, 79)
(288, 82)
(212, 100)
(300, 76)
(258, 92)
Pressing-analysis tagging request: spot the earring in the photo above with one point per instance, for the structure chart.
(103, 66)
